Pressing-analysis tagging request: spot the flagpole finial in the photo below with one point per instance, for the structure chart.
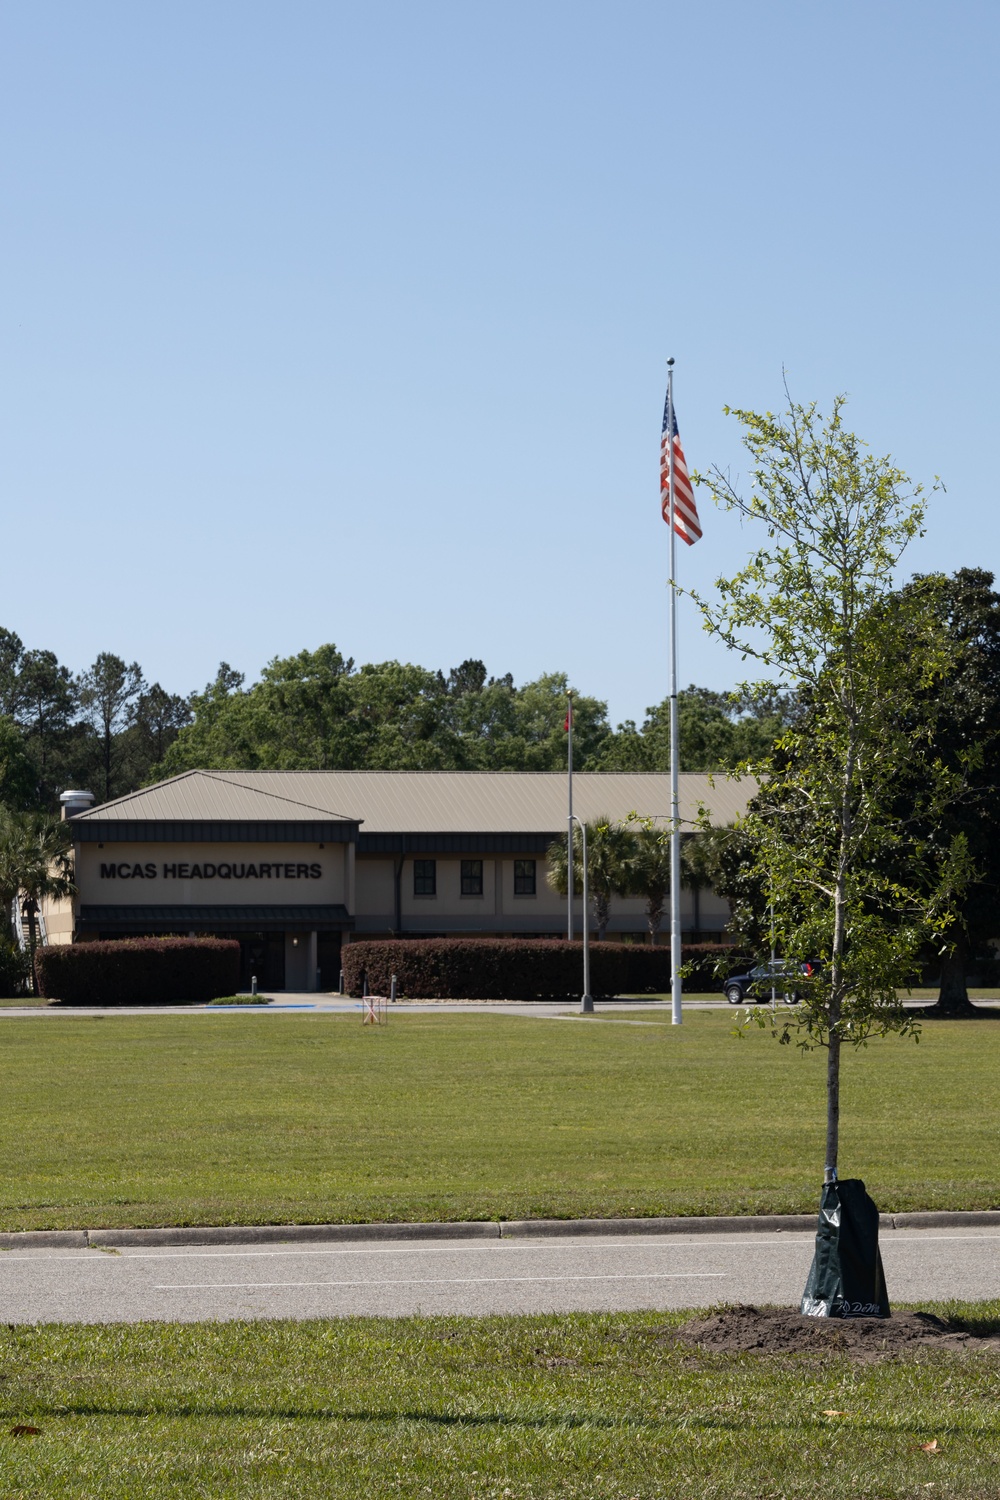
(670, 360)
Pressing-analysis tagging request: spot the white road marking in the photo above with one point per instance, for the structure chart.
(215, 1286)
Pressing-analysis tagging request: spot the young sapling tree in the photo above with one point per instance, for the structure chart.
(855, 884)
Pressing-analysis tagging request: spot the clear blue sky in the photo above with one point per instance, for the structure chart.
(349, 322)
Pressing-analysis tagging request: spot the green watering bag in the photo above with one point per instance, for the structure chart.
(846, 1278)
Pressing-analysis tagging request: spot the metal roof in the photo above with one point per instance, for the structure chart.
(221, 795)
(422, 801)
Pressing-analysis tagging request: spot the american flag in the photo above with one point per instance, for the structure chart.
(686, 522)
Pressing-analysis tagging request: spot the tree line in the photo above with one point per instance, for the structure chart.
(107, 729)
(103, 729)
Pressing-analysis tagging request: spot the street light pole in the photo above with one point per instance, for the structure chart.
(569, 794)
(586, 999)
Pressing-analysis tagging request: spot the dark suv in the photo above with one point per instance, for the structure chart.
(755, 986)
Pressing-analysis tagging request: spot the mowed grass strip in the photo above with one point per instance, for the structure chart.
(488, 1409)
(246, 1118)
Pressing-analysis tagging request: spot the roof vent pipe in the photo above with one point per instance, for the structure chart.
(72, 803)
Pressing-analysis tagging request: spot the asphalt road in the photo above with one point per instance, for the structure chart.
(503, 1276)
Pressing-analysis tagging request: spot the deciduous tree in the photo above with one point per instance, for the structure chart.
(317, 710)
(816, 606)
(963, 712)
(716, 731)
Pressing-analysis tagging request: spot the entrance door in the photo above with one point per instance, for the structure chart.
(262, 956)
(328, 959)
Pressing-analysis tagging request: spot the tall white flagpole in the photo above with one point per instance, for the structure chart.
(570, 862)
(675, 812)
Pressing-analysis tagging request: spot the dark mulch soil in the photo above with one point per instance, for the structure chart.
(779, 1330)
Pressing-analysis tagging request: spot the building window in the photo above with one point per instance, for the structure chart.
(524, 877)
(472, 877)
(425, 877)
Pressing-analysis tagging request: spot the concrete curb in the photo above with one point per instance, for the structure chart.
(295, 1234)
(729, 1224)
(735, 1224)
(45, 1239)
(487, 1229)
(942, 1219)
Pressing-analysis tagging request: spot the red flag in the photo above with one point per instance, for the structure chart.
(686, 522)
(568, 721)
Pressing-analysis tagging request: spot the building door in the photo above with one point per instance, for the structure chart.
(328, 959)
(262, 956)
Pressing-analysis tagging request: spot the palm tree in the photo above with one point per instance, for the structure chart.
(34, 862)
(697, 864)
(609, 851)
(649, 874)
(649, 871)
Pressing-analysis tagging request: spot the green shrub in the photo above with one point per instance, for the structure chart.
(241, 1000)
(14, 969)
(524, 968)
(139, 971)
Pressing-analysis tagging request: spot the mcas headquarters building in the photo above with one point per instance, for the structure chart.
(294, 864)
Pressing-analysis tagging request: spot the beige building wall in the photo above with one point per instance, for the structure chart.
(364, 884)
(375, 895)
(499, 910)
(230, 874)
(58, 914)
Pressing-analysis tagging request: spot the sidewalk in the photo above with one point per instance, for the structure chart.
(291, 1004)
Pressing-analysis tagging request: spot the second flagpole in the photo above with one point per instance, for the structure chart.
(675, 815)
(570, 841)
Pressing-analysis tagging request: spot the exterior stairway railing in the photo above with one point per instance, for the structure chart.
(20, 926)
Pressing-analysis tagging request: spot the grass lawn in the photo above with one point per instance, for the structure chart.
(581, 1406)
(249, 1118)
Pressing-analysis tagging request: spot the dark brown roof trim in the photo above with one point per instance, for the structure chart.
(183, 919)
(454, 843)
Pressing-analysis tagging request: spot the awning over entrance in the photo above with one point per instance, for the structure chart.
(135, 918)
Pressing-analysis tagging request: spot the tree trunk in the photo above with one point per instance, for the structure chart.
(30, 909)
(836, 993)
(953, 995)
(832, 1108)
(602, 913)
(107, 762)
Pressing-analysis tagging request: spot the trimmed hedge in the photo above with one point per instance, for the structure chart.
(712, 963)
(516, 968)
(139, 971)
